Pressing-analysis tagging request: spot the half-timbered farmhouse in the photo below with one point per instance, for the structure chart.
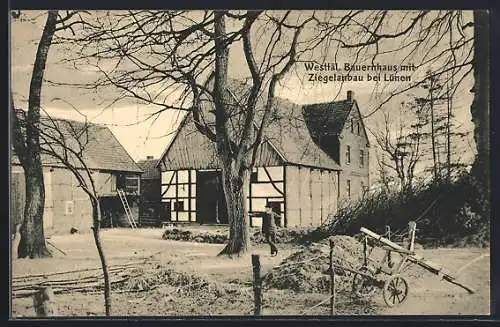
(67, 206)
(313, 159)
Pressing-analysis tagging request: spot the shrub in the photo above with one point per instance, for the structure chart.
(445, 212)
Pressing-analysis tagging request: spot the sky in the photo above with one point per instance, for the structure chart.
(126, 119)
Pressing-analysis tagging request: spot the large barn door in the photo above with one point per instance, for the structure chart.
(210, 203)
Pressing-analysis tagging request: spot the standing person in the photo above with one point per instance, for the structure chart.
(268, 227)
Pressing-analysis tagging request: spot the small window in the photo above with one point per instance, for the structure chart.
(179, 206)
(352, 125)
(131, 184)
(348, 155)
(359, 127)
(68, 208)
(361, 158)
(348, 188)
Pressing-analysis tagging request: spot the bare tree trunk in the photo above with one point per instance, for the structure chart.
(233, 177)
(96, 216)
(32, 236)
(448, 132)
(480, 105)
(234, 187)
(433, 135)
(32, 242)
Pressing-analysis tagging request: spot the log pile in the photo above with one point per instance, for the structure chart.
(81, 280)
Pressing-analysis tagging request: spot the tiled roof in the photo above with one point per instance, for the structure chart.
(100, 148)
(327, 118)
(287, 134)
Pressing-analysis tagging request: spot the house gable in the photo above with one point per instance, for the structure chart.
(189, 149)
(351, 124)
(286, 139)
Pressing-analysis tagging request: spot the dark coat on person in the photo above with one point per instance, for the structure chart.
(269, 222)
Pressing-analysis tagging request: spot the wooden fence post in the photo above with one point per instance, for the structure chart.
(365, 251)
(257, 295)
(388, 236)
(43, 302)
(332, 279)
(412, 227)
(388, 232)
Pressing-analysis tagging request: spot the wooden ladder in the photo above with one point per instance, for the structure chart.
(128, 212)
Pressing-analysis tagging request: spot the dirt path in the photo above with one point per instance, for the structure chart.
(428, 295)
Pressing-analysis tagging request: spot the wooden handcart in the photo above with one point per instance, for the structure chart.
(387, 273)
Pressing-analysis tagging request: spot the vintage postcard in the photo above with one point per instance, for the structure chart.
(249, 163)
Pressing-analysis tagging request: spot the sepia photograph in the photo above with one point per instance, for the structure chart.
(258, 163)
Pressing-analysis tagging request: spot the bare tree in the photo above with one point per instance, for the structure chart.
(385, 179)
(26, 138)
(27, 147)
(179, 60)
(157, 55)
(66, 142)
(403, 148)
(480, 104)
(437, 39)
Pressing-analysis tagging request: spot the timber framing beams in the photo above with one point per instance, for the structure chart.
(176, 198)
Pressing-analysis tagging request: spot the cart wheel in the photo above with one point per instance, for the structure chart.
(361, 285)
(395, 290)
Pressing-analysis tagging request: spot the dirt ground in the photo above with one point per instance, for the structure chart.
(231, 292)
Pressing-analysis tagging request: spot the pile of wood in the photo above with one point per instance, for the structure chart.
(82, 280)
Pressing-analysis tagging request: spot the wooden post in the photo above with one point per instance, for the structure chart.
(365, 250)
(412, 227)
(43, 302)
(285, 215)
(332, 279)
(256, 284)
(388, 236)
(189, 196)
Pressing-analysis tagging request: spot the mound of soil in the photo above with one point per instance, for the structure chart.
(307, 269)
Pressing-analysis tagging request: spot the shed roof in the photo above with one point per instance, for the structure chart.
(99, 147)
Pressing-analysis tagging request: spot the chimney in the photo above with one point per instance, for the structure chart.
(350, 95)
(149, 157)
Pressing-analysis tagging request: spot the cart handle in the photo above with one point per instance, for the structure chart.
(402, 251)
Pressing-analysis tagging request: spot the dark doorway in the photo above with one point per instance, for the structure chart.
(276, 206)
(112, 212)
(165, 211)
(210, 202)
